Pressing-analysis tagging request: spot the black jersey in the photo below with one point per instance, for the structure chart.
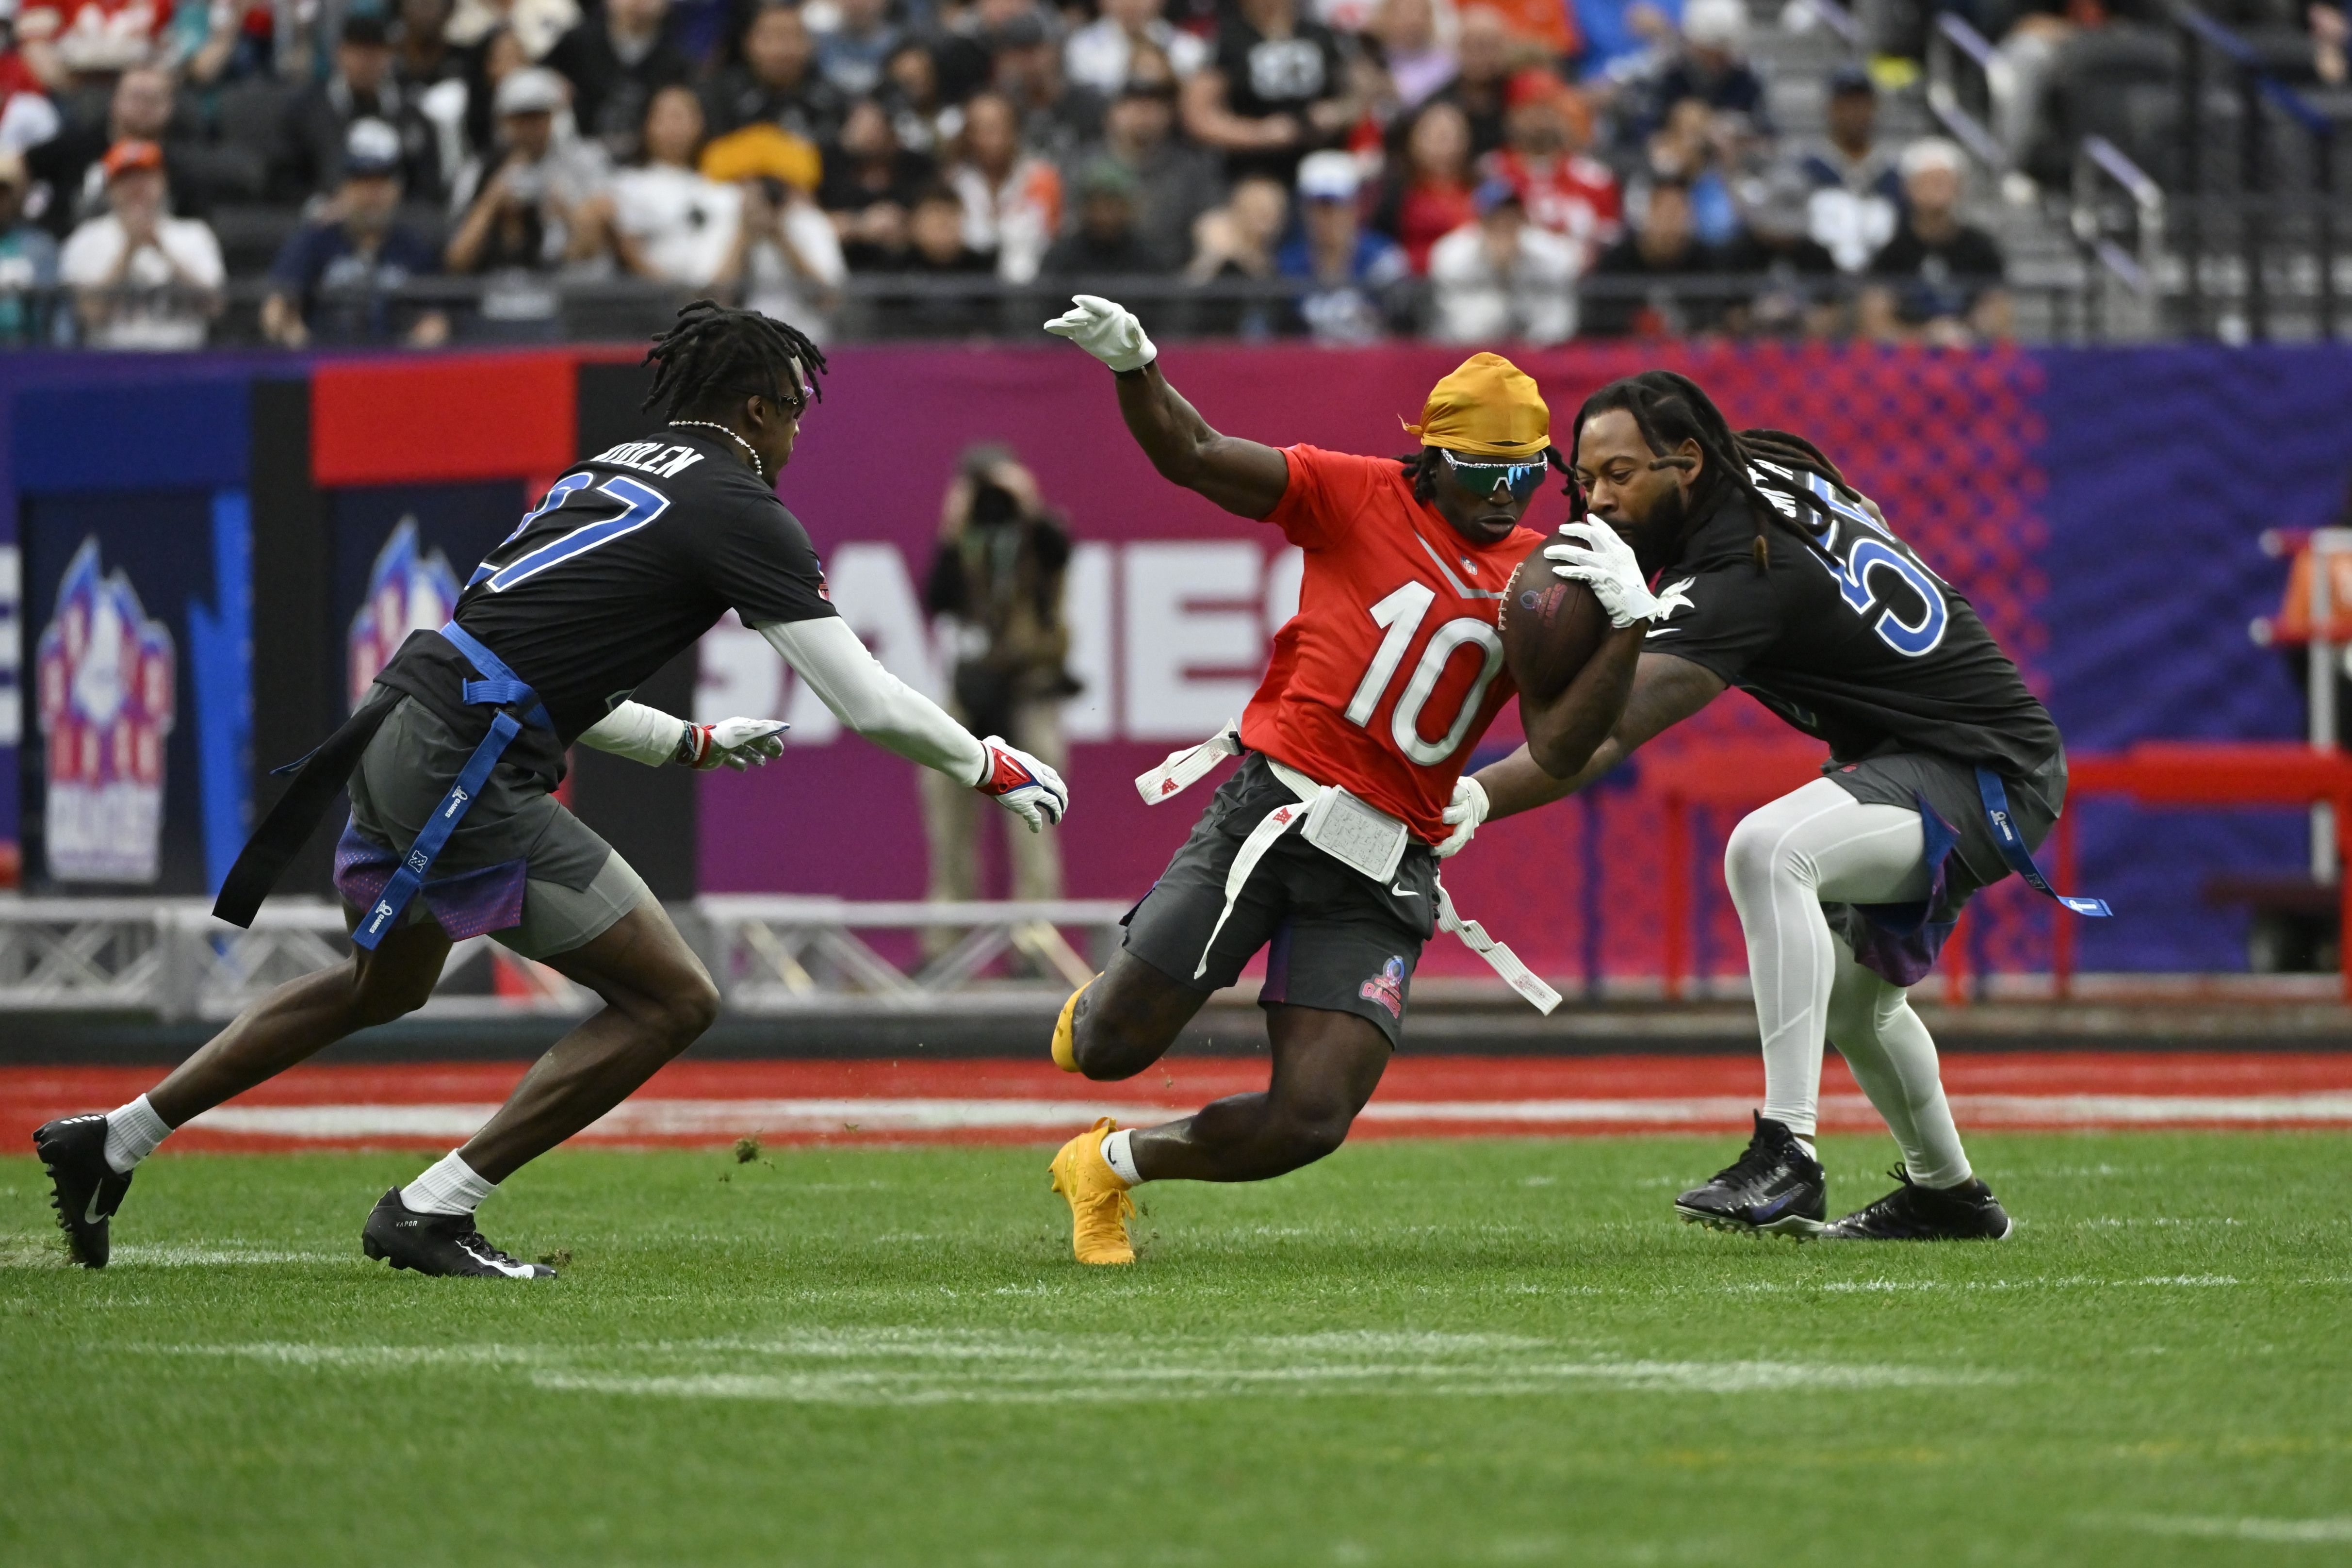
(627, 561)
(1858, 642)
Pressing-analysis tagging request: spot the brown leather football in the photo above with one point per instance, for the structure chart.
(1551, 627)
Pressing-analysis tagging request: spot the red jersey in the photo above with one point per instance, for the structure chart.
(1392, 667)
(1574, 195)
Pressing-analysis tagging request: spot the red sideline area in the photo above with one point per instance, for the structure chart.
(702, 1104)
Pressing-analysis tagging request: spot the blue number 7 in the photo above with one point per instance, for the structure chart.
(640, 504)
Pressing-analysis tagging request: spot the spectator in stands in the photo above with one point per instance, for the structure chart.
(1501, 278)
(1276, 90)
(1640, 287)
(28, 265)
(1623, 40)
(1799, 294)
(1857, 196)
(913, 96)
(1106, 243)
(792, 267)
(937, 253)
(1487, 56)
(363, 87)
(2331, 36)
(998, 577)
(1711, 67)
(1054, 119)
(68, 44)
(1236, 244)
(1429, 196)
(1565, 191)
(616, 59)
(1938, 281)
(1547, 27)
(870, 185)
(1175, 183)
(537, 25)
(1418, 63)
(535, 201)
(423, 55)
(851, 56)
(336, 279)
(670, 223)
(142, 107)
(142, 278)
(221, 42)
(1096, 56)
(1349, 278)
(1012, 198)
(1697, 148)
(777, 82)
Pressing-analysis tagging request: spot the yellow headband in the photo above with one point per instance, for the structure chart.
(1488, 408)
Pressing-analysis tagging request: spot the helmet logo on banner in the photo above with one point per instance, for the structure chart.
(108, 676)
(409, 589)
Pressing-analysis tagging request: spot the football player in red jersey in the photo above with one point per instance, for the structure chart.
(1324, 844)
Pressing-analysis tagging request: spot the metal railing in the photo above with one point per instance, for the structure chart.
(2278, 238)
(2096, 221)
(1961, 66)
(170, 959)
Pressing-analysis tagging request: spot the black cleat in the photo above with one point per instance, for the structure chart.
(442, 1243)
(1775, 1186)
(83, 1188)
(1913, 1213)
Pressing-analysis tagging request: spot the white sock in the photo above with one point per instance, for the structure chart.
(131, 1135)
(1120, 1157)
(450, 1186)
(1807, 1145)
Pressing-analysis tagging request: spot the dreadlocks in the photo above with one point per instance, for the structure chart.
(1422, 468)
(714, 354)
(1670, 409)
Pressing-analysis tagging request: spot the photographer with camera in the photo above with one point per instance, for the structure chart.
(998, 577)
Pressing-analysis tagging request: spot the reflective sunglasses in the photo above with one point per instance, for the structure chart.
(1485, 479)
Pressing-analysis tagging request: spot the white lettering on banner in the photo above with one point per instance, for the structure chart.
(1167, 638)
(1170, 644)
(1092, 715)
(739, 675)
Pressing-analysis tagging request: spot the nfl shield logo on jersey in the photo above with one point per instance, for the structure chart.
(107, 676)
(1386, 987)
(409, 589)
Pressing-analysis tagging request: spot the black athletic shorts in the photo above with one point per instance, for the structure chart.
(1337, 940)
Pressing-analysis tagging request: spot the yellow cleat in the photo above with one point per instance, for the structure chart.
(1065, 1031)
(1099, 1207)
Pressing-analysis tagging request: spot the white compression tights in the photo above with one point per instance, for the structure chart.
(1819, 843)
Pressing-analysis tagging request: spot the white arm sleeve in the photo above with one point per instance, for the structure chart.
(871, 701)
(640, 733)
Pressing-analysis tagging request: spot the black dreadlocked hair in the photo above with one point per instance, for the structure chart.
(714, 353)
(1670, 409)
(1422, 468)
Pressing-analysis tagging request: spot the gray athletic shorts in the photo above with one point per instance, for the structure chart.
(1949, 788)
(1335, 938)
(574, 887)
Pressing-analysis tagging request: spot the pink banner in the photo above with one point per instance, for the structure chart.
(1172, 602)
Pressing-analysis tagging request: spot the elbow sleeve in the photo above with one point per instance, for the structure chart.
(851, 682)
(640, 733)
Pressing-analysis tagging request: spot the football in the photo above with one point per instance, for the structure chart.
(1550, 626)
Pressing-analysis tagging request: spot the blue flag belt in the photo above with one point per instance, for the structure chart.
(2012, 845)
(502, 687)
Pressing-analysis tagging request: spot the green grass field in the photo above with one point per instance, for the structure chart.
(1415, 1353)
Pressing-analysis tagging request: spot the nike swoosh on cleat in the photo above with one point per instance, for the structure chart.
(91, 1215)
(1773, 1209)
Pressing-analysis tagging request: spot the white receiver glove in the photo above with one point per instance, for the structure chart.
(1469, 809)
(1105, 329)
(740, 743)
(1023, 786)
(1596, 557)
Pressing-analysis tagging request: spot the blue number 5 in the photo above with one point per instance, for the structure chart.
(1906, 638)
(640, 504)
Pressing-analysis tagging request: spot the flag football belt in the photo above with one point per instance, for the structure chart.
(1358, 836)
(501, 689)
(2014, 852)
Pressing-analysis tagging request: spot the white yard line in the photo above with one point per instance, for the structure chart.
(653, 1118)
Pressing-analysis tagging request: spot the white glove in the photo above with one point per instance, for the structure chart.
(1105, 329)
(1023, 786)
(740, 743)
(1469, 809)
(1604, 562)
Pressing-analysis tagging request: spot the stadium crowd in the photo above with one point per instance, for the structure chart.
(1527, 170)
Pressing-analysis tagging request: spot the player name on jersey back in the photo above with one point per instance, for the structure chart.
(658, 458)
